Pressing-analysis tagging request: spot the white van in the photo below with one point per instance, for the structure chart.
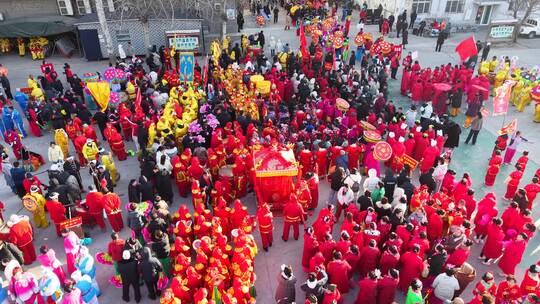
(530, 28)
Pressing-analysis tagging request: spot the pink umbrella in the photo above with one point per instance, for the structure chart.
(114, 74)
(114, 98)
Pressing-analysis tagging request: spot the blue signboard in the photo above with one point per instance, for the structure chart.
(187, 66)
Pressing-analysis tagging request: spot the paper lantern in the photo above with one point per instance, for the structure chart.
(382, 151)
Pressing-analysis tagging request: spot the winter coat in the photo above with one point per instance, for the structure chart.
(150, 266)
(286, 291)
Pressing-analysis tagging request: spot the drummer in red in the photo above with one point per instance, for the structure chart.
(294, 215)
(266, 225)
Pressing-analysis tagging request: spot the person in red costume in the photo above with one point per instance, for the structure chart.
(311, 247)
(117, 145)
(430, 155)
(412, 266)
(494, 242)
(370, 258)
(12, 138)
(321, 156)
(112, 204)
(416, 92)
(487, 210)
(125, 121)
(338, 272)
(368, 289)
(332, 295)
(389, 258)
(493, 168)
(523, 160)
(195, 170)
(94, 201)
(422, 143)
(512, 254)
(265, 219)
(512, 183)
(409, 144)
(198, 196)
(313, 186)
(90, 132)
(531, 191)
(387, 286)
(508, 291)
(460, 255)
(293, 214)
(435, 225)
(354, 151)
(486, 285)
(304, 195)
(398, 149)
(78, 142)
(239, 176)
(531, 281)
(21, 235)
(180, 177)
(306, 161)
(57, 211)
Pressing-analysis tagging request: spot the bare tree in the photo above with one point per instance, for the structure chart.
(528, 7)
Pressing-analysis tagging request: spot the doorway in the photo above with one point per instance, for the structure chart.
(483, 14)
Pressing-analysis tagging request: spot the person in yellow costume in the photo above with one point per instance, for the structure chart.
(21, 47)
(226, 44)
(61, 139)
(516, 92)
(499, 78)
(108, 161)
(282, 57)
(35, 203)
(90, 150)
(215, 50)
(484, 68)
(245, 44)
(525, 97)
(151, 135)
(493, 64)
(4, 45)
(537, 112)
(130, 91)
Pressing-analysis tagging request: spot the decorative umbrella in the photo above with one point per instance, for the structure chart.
(112, 73)
(114, 98)
(386, 47)
(382, 151)
(339, 34)
(441, 86)
(328, 23)
(338, 42)
(368, 36)
(342, 104)
(366, 125)
(372, 136)
(535, 93)
(90, 77)
(359, 39)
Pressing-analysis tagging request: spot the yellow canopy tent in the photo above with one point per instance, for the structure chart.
(101, 92)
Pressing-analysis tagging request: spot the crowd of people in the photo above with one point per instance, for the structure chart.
(379, 226)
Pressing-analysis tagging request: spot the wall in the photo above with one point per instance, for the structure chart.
(157, 29)
(28, 8)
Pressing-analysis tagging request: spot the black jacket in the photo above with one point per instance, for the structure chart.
(150, 266)
(129, 270)
(161, 246)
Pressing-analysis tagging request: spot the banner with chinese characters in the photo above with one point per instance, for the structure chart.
(187, 66)
(501, 98)
(408, 160)
(184, 41)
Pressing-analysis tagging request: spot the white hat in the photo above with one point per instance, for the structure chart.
(54, 195)
(13, 220)
(439, 133)
(70, 157)
(433, 143)
(101, 150)
(391, 134)
(403, 126)
(418, 129)
(34, 189)
(401, 139)
(89, 140)
(101, 167)
(126, 255)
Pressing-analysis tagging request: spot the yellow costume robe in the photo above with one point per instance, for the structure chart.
(109, 164)
(36, 205)
(61, 139)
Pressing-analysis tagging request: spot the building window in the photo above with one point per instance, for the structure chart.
(83, 7)
(454, 6)
(65, 7)
(123, 37)
(108, 6)
(421, 6)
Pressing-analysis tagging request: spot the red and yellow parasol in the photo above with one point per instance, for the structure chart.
(367, 126)
(338, 42)
(328, 23)
(342, 104)
(386, 47)
(382, 151)
(441, 86)
(367, 36)
(372, 136)
(359, 39)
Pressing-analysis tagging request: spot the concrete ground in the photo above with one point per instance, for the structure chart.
(467, 158)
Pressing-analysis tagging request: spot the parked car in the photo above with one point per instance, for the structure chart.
(433, 26)
(530, 28)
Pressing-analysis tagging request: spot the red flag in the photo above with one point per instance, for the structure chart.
(303, 42)
(467, 48)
